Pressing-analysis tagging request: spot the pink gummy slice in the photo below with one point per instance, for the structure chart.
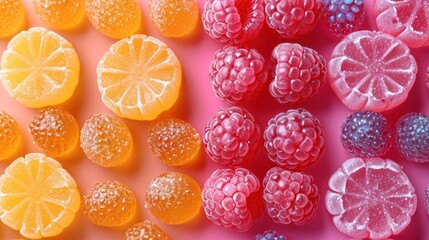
(407, 20)
(370, 198)
(371, 70)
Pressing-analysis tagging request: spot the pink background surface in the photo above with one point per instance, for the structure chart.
(197, 104)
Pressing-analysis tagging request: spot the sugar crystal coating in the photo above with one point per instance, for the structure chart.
(231, 198)
(237, 74)
(109, 204)
(173, 141)
(60, 14)
(343, 16)
(12, 17)
(114, 18)
(10, 135)
(145, 231)
(294, 139)
(270, 235)
(366, 134)
(412, 137)
(54, 131)
(173, 198)
(106, 140)
(232, 137)
(173, 18)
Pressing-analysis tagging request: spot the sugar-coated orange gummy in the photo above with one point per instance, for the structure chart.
(173, 198)
(109, 204)
(10, 135)
(173, 18)
(55, 131)
(173, 141)
(114, 18)
(12, 17)
(145, 231)
(106, 140)
(60, 14)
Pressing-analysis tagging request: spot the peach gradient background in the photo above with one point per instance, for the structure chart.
(197, 104)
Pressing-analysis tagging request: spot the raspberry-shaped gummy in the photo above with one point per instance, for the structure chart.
(412, 137)
(145, 230)
(270, 235)
(294, 139)
(60, 14)
(173, 198)
(292, 19)
(299, 73)
(54, 131)
(232, 136)
(366, 134)
(106, 140)
(109, 204)
(237, 74)
(233, 21)
(231, 198)
(173, 141)
(343, 16)
(290, 197)
(427, 199)
(10, 135)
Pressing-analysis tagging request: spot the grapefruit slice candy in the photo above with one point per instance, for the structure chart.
(371, 70)
(370, 198)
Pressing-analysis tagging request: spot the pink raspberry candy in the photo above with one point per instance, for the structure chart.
(292, 19)
(231, 198)
(237, 74)
(232, 136)
(231, 21)
(294, 139)
(290, 197)
(299, 73)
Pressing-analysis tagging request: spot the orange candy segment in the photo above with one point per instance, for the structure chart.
(173, 198)
(55, 131)
(60, 14)
(114, 18)
(37, 196)
(12, 17)
(173, 18)
(10, 135)
(109, 204)
(106, 140)
(145, 230)
(139, 77)
(173, 141)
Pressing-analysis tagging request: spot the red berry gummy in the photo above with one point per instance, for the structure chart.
(294, 139)
(237, 74)
(370, 198)
(412, 137)
(145, 230)
(290, 197)
(232, 136)
(231, 199)
(366, 134)
(270, 235)
(233, 21)
(292, 19)
(343, 16)
(299, 73)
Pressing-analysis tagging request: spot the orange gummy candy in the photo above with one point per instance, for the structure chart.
(173, 18)
(106, 140)
(173, 141)
(145, 230)
(60, 14)
(109, 204)
(55, 131)
(10, 135)
(12, 17)
(114, 18)
(173, 198)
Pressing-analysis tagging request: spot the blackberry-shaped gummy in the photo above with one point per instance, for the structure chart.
(232, 137)
(270, 235)
(343, 16)
(237, 74)
(299, 73)
(412, 137)
(366, 134)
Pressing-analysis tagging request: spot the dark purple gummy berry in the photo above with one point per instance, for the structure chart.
(366, 134)
(343, 16)
(270, 235)
(412, 137)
